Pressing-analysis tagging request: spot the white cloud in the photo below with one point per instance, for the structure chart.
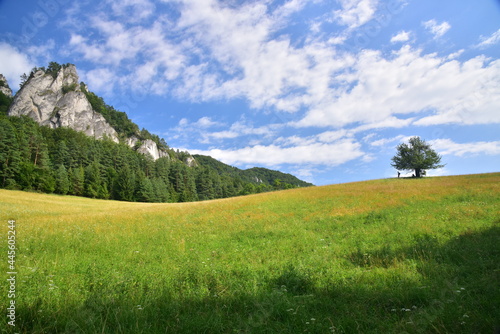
(250, 63)
(402, 36)
(217, 51)
(333, 154)
(438, 30)
(99, 79)
(202, 130)
(455, 55)
(240, 129)
(385, 141)
(449, 147)
(377, 88)
(14, 63)
(132, 10)
(489, 41)
(157, 60)
(355, 13)
(43, 52)
(206, 122)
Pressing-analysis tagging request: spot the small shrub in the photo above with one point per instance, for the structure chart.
(69, 88)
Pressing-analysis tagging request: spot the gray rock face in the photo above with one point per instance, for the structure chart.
(59, 101)
(190, 162)
(4, 86)
(147, 147)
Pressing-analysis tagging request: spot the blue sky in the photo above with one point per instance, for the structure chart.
(321, 89)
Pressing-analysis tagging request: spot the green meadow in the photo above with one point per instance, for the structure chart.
(383, 256)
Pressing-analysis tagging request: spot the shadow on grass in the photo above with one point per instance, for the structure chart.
(457, 293)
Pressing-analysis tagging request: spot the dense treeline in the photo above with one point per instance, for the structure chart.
(5, 102)
(259, 176)
(65, 161)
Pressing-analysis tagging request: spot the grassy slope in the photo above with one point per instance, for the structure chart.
(385, 256)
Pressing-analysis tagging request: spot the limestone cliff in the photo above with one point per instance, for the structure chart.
(147, 147)
(57, 100)
(4, 86)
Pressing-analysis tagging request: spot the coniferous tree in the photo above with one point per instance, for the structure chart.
(45, 179)
(93, 181)
(61, 156)
(125, 187)
(160, 190)
(146, 191)
(62, 180)
(77, 179)
(10, 158)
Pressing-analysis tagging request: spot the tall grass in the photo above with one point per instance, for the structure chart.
(385, 256)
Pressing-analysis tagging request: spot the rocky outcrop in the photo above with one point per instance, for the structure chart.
(147, 147)
(4, 86)
(190, 161)
(59, 101)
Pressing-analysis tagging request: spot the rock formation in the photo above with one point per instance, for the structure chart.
(146, 147)
(58, 101)
(4, 86)
(190, 162)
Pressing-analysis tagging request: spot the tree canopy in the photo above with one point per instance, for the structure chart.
(417, 155)
(64, 161)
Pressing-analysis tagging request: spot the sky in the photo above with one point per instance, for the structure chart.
(322, 89)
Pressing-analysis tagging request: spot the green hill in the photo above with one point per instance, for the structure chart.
(383, 256)
(256, 175)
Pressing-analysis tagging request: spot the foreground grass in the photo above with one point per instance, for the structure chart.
(385, 256)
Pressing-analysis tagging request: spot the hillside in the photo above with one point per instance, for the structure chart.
(254, 175)
(383, 256)
(59, 137)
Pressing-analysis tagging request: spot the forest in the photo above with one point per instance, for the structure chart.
(64, 161)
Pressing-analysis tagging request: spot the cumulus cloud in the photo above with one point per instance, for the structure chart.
(403, 36)
(355, 13)
(437, 29)
(100, 79)
(409, 83)
(316, 153)
(214, 51)
(449, 147)
(13, 64)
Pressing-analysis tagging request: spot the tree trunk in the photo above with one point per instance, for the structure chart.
(417, 172)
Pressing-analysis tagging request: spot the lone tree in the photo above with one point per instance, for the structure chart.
(418, 156)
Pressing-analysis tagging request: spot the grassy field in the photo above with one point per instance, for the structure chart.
(384, 256)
